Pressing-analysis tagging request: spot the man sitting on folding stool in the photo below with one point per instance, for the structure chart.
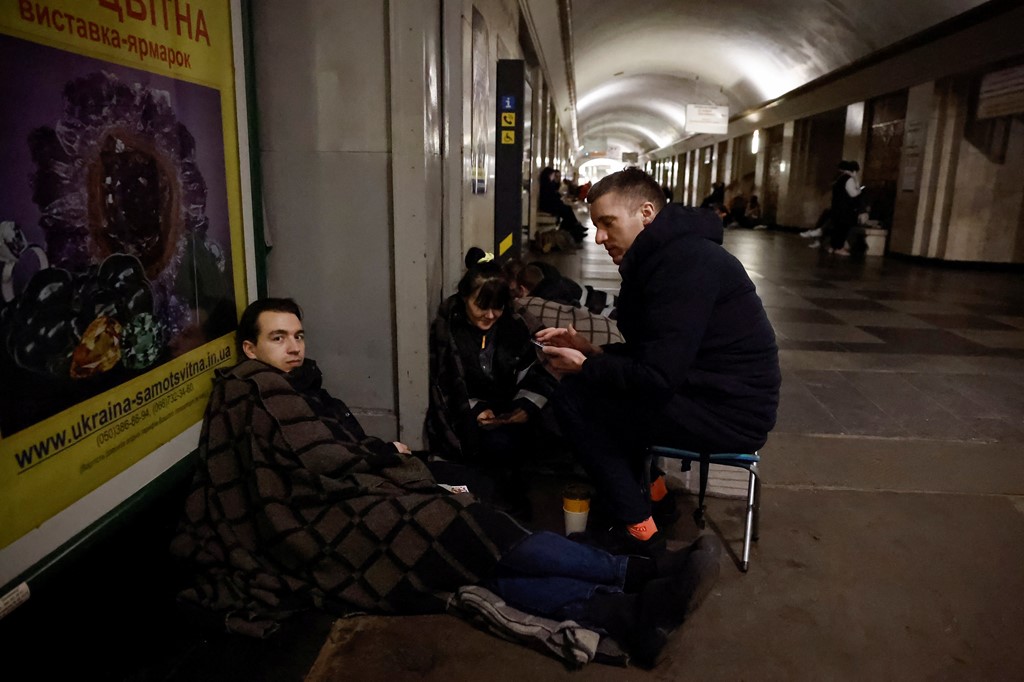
(699, 368)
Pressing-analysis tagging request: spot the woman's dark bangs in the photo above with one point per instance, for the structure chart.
(494, 294)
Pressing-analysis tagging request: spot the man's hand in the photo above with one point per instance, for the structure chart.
(563, 360)
(402, 448)
(567, 337)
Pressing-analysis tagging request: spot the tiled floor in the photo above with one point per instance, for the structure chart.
(902, 403)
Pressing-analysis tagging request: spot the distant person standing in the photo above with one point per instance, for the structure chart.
(846, 191)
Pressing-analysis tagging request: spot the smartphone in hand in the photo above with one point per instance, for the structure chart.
(539, 348)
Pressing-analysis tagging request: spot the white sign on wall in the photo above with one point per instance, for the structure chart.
(1001, 93)
(707, 118)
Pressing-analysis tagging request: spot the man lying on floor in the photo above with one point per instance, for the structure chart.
(294, 507)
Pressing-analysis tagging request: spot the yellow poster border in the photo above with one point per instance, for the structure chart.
(177, 389)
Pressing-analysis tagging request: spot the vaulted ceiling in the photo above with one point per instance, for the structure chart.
(637, 63)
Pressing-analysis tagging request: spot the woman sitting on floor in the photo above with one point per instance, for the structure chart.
(487, 389)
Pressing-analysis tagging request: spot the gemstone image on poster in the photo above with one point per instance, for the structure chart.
(114, 239)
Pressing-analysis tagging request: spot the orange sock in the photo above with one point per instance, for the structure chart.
(643, 530)
(658, 489)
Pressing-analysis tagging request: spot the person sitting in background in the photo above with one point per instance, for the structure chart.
(716, 198)
(752, 215)
(486, 388)
(549, 200)
(542, 305)
(542, 280)
(293, 507)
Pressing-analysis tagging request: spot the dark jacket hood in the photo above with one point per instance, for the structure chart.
(672, 223)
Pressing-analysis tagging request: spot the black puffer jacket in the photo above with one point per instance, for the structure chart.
(699, 347)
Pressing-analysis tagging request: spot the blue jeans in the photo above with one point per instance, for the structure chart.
(549, 575)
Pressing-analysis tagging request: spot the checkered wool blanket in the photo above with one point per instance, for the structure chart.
(284, 515)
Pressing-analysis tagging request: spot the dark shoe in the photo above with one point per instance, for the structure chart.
(672, 563)
(666, 602)
(646, 646)
(642, 623)
(665, 511)
(700, 573)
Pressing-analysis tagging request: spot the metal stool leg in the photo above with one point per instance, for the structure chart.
(749, 531)
(757, 509)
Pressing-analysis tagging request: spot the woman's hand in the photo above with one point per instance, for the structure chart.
(516, 416)
(566, 337)
(487, 419)
(402, 448)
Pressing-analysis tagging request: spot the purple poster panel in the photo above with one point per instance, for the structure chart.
(114, 229)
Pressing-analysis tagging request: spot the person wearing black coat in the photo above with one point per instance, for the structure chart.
(716, 197)
(846, 191)
(549, 200)
(699, 367)
(487, 389)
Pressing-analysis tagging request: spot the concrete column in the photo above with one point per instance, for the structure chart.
(939, 171)
(456, 113)
(959, 194)
(903, 237)
(760, 165)
(416, 201)
(784, 215)
(324, 145)
(855, 138)
(726, 173)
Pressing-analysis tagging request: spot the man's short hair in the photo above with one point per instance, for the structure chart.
(529, 277)
(249, 324)
(632, 184)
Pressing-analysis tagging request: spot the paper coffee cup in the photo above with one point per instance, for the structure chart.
(575, 522)
(576, 507)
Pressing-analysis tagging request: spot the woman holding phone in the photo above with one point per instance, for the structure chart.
(487, 388)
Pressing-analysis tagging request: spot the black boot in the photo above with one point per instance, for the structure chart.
(666, 602)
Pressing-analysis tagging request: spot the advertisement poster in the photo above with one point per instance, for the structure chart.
(120, 238)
